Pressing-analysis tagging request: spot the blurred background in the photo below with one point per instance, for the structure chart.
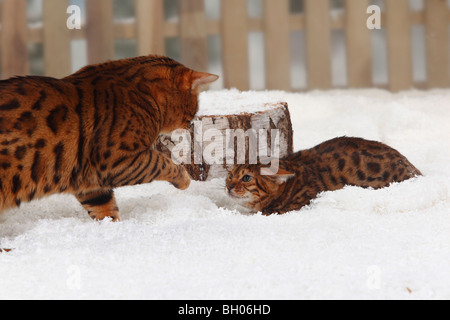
(292, 45)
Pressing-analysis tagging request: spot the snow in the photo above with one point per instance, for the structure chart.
(233, 101)
(354, 243)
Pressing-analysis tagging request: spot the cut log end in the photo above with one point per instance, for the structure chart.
(214, 144)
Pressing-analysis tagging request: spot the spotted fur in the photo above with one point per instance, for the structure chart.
(329, 166)
(93, 131)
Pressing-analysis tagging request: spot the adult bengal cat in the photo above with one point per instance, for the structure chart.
(330, 166)
(93, 131)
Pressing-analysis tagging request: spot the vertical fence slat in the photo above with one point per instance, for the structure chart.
(56, 39)
(359, 51)
(399, 45)
(436, 25)
(318, 43)
(100, 30)
(193, 34)
(235, 44)
(150, 26)
(234, 27)
(14, 46)
(277, 44)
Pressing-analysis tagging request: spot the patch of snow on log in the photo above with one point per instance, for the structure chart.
(234, 102)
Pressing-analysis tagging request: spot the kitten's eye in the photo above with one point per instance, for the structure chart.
(230, 176)
(247, 178)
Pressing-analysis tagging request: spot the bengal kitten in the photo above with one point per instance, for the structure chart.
(93, 131)
(329, 166)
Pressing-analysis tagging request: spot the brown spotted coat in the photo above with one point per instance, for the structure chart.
(93, 131)
(329, 166)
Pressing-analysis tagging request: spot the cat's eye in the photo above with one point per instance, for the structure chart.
(247, 178)
(230, 176)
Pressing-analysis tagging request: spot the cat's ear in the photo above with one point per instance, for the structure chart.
(200, 79)
(280, 177)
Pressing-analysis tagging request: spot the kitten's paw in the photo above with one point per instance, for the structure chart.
(102, 216)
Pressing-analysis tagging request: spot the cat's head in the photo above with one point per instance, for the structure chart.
(255, 186)
(175, 88)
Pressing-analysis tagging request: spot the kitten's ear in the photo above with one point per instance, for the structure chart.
(200, 79)
(280, 177)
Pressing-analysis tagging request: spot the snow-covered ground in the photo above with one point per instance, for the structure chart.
(353, 244)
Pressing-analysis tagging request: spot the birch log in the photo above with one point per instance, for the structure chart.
(214, 144)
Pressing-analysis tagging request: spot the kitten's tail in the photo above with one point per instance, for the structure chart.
(414, 171)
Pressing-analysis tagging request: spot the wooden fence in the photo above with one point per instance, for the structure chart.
(150, 29)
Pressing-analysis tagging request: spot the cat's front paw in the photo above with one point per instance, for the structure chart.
(183, 180)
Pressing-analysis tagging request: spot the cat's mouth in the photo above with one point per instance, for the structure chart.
(234, 195)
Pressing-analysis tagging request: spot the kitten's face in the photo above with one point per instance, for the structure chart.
(249, 188)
